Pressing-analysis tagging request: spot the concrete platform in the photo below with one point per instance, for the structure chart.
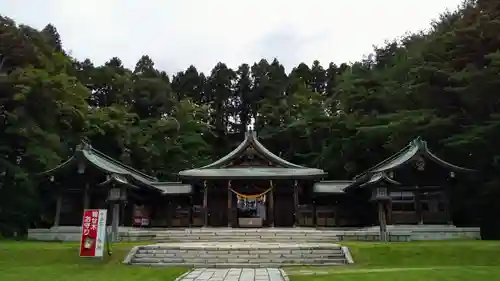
(298, 235)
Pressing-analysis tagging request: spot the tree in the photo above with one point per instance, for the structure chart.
(440, 84)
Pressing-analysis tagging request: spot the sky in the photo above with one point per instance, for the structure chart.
(180, 33)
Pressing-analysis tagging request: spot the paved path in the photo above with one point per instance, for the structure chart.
(235, 274)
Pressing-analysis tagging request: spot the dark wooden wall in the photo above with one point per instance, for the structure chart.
(217, 206)
(284, 204)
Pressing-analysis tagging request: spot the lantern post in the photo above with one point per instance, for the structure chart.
(380, 195)
(116, 197)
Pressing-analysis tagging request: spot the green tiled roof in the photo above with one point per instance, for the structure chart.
(414, 148)
(253, 173)
(117, 171)
(251, 140)
(284, 169)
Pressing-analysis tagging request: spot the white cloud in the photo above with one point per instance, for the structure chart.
(177, 33)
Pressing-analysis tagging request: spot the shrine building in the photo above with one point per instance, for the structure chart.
(253, 187)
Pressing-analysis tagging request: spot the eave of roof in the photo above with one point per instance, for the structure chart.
(380, 178)
(334, 187)
(173, 187)
(414, 148)
(253, 173)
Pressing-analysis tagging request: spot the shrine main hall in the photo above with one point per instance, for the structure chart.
(251, 187)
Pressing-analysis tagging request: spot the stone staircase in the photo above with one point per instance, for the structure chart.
(238, 254)
(295, 235)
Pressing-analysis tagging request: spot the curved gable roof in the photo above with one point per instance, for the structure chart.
(414, 148)
(117, 171)
(285, 169)
(251, 141)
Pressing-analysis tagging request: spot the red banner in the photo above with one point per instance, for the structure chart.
(89, 237)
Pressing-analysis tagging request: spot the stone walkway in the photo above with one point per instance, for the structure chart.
(234, 274)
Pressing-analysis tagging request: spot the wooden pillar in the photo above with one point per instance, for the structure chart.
(115, 221)
(122, 211)
(57, 218)
(271, 207)
(190, 211)
(448, 187)
(418, 205)
(389, 212)
(130, 212)
(447, 206)
(382, 221)
(295, 203)
(315, 221)
(229, 205)
(205, 201)
(86, 196)
(169, 211)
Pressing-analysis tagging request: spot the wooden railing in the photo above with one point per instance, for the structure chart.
(325, 216)
(198, 216)
(404, 217)
(305, 216)
(435, 217)
(180, 217)
(322, 216)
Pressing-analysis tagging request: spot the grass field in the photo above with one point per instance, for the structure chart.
(423, 261)
(52, 261)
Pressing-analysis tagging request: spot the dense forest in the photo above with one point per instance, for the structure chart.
(440, 84)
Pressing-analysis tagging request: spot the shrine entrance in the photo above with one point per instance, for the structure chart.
(252, 203)
(251, 187)
(251, 212)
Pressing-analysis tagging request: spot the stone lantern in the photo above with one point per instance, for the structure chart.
(117, 195)
(381, 196)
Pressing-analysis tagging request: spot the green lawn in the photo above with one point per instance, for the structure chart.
(426, 261)
(423, 261)
(53, 261)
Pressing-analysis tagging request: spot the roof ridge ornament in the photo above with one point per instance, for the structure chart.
(251, 126)
(420, 143)
(83, 145)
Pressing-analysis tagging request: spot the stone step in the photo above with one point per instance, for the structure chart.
(278, 238)
(270, 238)
(215, 237)
(246, 257)
(238, 260)
(233, 265)
(230, 234)
(254, 254)
(235, 233)
(248, 237)
(257, 252)
(246, 240)
(239, 254)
